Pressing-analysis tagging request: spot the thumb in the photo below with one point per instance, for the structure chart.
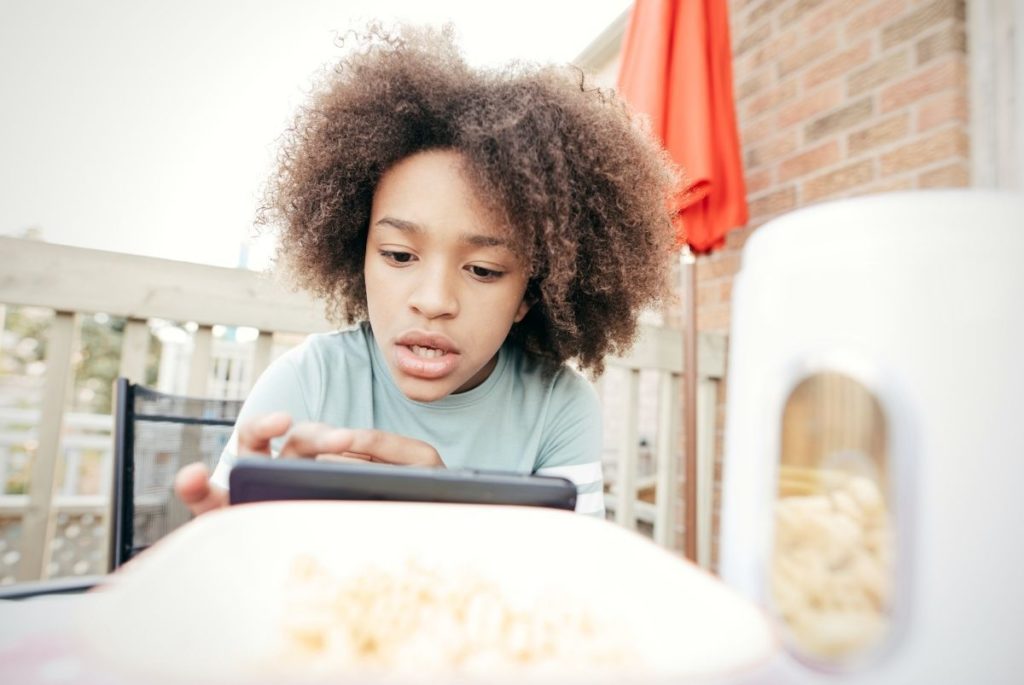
(192, 483)
(193, 488)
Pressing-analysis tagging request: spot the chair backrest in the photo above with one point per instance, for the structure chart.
(155, 434)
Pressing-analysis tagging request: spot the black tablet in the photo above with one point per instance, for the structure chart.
(262, 479)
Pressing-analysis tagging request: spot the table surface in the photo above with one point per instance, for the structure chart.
(45, 615)
(37, 647)
(37, 644)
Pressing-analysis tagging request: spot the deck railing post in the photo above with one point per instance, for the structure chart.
(667, 473)
(199, 366)
(625, 491)
(134, 350)
(707, 408)
(261, 355)
(59, 350)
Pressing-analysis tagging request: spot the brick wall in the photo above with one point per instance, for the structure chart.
(836, 99)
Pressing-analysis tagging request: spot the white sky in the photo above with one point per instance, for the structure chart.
(149, 126)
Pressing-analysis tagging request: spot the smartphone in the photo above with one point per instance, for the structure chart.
(258, 479)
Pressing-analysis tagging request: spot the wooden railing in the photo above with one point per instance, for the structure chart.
(75, 281)
(659, 352)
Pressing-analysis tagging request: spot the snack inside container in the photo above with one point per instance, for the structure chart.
(832, 556)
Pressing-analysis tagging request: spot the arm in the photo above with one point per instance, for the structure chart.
(276, 400)
(279, 418)
(571, 447)
(201, 493)
(283, 388)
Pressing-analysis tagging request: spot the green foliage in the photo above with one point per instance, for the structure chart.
(99, 361)
(96, 361)
(24, 340)
(97, 358)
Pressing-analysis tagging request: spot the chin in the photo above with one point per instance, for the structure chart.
(423, 392)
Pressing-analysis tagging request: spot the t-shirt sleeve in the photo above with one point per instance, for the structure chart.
(288, 384)
(571, 446)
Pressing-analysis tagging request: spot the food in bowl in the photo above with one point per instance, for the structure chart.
(426, 619)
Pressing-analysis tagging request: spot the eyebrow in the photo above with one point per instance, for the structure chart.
(473, 239)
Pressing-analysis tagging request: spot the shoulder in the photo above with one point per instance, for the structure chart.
(318, 357)
(562, 383)
(327, 351)
(318, 377)
(568, 401)
(572, 439)
(574, 404)
(570, 385)
(351, 340)
(570, 396)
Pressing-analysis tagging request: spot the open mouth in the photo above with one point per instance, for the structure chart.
(426, 352)
(421, 361)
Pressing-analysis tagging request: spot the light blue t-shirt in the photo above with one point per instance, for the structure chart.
(519, 419)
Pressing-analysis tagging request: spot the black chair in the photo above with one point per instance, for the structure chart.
(155, 434)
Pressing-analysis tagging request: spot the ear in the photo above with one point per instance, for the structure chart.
(524, 307)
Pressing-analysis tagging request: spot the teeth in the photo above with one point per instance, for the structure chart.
(426, 352)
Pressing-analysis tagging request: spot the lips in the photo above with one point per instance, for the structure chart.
(425, 355)
(436, 341)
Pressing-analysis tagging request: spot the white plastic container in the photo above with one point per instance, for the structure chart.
(908, 307)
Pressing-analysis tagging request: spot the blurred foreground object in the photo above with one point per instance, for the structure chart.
(874, 445)
(359, 591)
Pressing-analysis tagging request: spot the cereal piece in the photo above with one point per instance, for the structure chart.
(831, 574)
(845, 504)
(867, 494)
(418, 620)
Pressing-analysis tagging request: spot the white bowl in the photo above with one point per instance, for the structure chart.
(206, 604)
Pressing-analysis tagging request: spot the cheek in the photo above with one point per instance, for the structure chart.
(372, 282)
(519, 304)
(521, 311)
(503, 300)
(507, 309)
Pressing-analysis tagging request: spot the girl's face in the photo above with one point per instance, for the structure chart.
(443, 287)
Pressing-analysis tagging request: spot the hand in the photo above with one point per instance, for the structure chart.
(192, 483)
(367, 445)
(193, 487)
(321, 440)
(306, 440)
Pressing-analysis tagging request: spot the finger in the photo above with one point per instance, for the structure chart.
(311, 439)
(216, 498)
(348, 457)
(255, 434)
(390, 448)
(191, 483)
(192, 486)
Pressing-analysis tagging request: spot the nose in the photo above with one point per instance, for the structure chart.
(435, 295)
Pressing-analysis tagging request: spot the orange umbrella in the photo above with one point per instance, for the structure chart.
(676, 68)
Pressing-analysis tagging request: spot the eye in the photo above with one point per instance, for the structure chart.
(396, 257)
(484, 274)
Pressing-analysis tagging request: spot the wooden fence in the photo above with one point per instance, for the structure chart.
(75, 281)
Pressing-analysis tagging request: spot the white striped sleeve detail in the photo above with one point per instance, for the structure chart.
(588, 479)
(590, 503)
(579, 474)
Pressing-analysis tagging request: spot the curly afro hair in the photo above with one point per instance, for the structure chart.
(580, 188)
